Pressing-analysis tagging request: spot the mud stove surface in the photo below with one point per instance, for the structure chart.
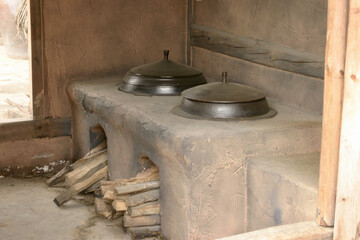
(217, 178)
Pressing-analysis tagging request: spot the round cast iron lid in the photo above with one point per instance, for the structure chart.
(161, 78)
(165, 69)
(223, 92)
(224, 101)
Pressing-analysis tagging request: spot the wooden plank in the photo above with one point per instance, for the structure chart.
(77, 188)
(257, 51)
(143, 232)
(149, 220)
(139, 187)
(144, 197)
(86, 170)
(46, 128)
(347, 213)
(59, 176)
(38, 84)
(150, 208)
(119, 205)
(333, 94)
(297, 231)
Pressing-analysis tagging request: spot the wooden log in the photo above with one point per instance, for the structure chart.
(95, 186)
(119, 205)
(149, 220)
(257, 51)
(78, 187)
(109, 196)
(86, 170)
(347, 214)
(150, 208)
(143, 232)
(140, 198)
(103, 209)
(333, 94)
(84, 160)
(149, 175)
(138, 187)
(297, 231)
(96, 149)
(59, 176)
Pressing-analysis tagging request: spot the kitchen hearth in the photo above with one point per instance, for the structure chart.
(207, 189)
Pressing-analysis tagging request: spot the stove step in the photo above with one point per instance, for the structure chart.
(282, 190)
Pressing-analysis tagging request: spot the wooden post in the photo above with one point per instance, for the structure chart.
(347, 214)
(333, 94)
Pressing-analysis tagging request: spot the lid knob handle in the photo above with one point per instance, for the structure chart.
(166, 54)
(224, 77)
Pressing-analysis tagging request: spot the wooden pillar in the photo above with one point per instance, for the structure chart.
(333, 94)
(347, 214)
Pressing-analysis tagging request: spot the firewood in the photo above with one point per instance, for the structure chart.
(80, 186)
(102, 208)
(109, 196)
(143, 232)
(143, 197)
(86, 170)
(98, 148)
(94, 187)
(60, 176)
(149, 220)
(138, 187)
(150, 208)
(119, 205)
(84, 160)
(149, 175)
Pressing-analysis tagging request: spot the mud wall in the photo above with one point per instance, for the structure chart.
(98, 37)
(275, 45)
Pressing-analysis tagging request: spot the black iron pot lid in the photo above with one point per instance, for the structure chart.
(161, 78)
(224, 101)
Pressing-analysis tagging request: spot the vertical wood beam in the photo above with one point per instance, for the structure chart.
(333, 94)
(38, 96)
(347, 214)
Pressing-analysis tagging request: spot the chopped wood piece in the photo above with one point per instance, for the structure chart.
(119, 205)
(78, 187)
(139, 187)
(149, 220)
(58, 177)
(109, 196)
(96, 149)
(86, 170)
(102, 208)
(144, 197)
(118, 214)
(143, 232)
(151, 208)
(84, 160)
(94, 187)
(149, 175)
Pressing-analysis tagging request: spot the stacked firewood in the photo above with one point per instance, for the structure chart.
(136, 199)
(84, 175)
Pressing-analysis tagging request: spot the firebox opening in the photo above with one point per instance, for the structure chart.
(97, 136)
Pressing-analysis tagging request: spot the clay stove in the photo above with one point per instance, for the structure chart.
(217, 178)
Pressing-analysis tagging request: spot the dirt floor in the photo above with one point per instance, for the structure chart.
(28, 212)
(14, 88)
